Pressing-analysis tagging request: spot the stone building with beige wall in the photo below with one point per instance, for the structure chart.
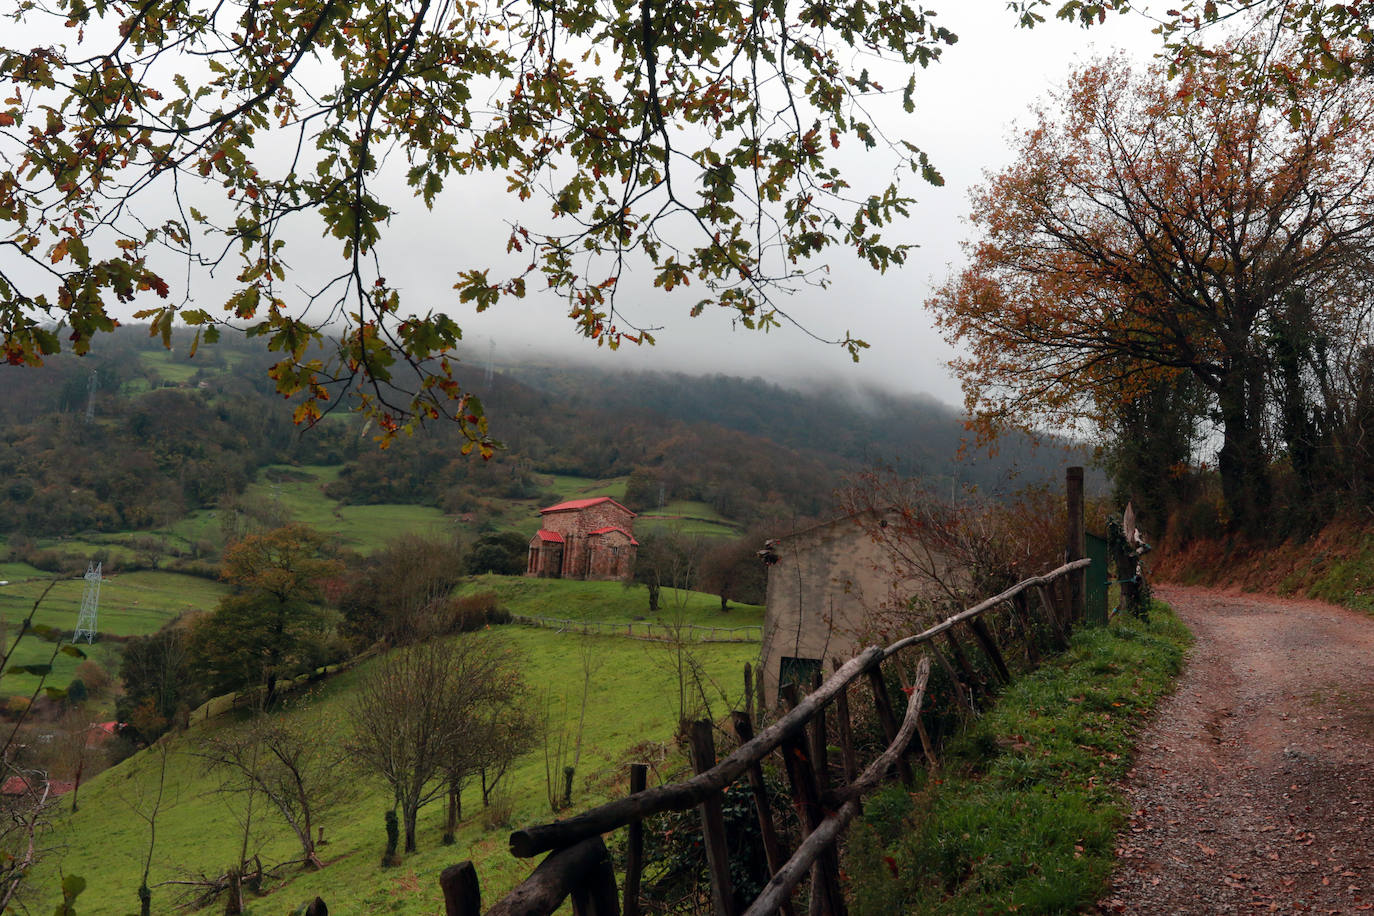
(825, 584)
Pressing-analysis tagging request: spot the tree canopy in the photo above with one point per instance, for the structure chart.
(144, 143)
(1153, 228)
(271, 626)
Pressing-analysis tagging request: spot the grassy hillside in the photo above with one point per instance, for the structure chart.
(613, 601)
(131, 604)
(632, 702)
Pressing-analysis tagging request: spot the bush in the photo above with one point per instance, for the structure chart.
(475, 611)
(505, 554)
(96, 679)
(77, 692)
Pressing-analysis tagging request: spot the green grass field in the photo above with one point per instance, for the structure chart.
(566, 598)
(164, 363)
(132, 604)
(632, 701)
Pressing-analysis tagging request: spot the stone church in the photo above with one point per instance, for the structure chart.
(584, 539)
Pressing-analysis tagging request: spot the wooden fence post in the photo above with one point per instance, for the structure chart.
(1021, 614)
(582, 870)
(967, 676)
(927, 746)
(713, 823)
(749, 691)
(820, 758)
(826, 897)
(988, 643)
(1077, 546)
(772, 850)
(634, 843)
(462, 895)
(883, 703)
(1061, 636)
(846, 731)
(596, 895)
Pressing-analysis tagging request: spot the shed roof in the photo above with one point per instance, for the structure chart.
(574, 504)
(551, 536)
(20, 785)
(609, 528)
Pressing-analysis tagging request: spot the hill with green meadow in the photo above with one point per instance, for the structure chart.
(631, 703)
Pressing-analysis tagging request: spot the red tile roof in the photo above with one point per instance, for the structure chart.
(546, 535)
(615, 528)
(575, 504)
(19, 785)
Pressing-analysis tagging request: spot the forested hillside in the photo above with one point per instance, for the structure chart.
(170, 433)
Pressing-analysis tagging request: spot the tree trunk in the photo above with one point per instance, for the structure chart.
(455, 811)
(308, 846)
(410, 815)
(1242, 461)
(653, 596)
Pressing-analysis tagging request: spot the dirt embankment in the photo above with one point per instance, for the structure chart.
(1253, 791)
(1335, 565)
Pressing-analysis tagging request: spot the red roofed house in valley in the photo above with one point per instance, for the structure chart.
(584, 539)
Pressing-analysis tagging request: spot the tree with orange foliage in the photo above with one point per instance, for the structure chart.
(272, 625)
(1152, 228)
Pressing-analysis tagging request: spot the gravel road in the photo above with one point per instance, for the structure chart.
(1253, 791)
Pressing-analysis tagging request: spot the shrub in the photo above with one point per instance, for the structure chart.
(475, 611)
(94, 676)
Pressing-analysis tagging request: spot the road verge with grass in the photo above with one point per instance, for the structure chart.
(1023, 813)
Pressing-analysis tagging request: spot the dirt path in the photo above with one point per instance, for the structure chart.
(1254, 789)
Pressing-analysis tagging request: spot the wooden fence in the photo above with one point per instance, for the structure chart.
(579, 865)
(645, 629)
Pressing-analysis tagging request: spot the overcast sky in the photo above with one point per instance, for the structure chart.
(965, 108)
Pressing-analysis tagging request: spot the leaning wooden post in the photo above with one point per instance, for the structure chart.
(713, 822)
(988, 643)
(772, 850)
(846, 731)
(1061, 637)
(761, 706)
(826, 897)
(634, 843)
(1077, 546)
(967, 676)
(749, 691)
(1021, 614)
(595, 894)
(462, 896)
(883, 703)
(582, 871)
(927, 746)
(816, 733)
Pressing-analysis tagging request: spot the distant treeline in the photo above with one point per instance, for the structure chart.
(154, 449)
